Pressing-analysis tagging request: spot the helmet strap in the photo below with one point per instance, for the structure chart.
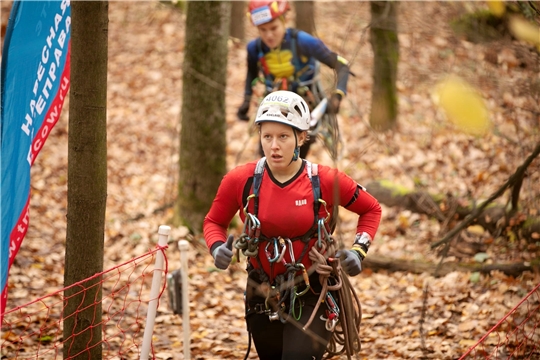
(296, 153)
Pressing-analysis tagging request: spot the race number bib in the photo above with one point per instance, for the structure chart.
(261, 15)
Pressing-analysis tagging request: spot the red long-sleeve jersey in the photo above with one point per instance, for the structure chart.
(286, 209)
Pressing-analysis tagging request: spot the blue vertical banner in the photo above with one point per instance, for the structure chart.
(33, 85)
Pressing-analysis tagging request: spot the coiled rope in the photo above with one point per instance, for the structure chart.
(346, 335)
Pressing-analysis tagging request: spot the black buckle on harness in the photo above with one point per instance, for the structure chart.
(260, 309)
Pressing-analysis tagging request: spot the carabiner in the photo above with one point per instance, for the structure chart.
(282, 251)
(291, 250)
(293, 303)
(331, 321)
(325, 209)
(331, 303)
(247, 203)
(279, 250)
(306, 280)
(276, 253)
(247, 227)
(255, 226)
(322, 233)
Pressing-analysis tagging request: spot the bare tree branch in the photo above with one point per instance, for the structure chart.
(510, 182)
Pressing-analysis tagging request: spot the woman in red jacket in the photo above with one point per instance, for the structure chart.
(287, 205)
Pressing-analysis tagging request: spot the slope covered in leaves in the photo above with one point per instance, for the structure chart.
(146, 43)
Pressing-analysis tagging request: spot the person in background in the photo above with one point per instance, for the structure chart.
(287, 207)
(287, 59)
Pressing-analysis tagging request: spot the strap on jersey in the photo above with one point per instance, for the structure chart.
(257, 180)
(262, 60)
(296, 57)
(290, 35)
(313, 175)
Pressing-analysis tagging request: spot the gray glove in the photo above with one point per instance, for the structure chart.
(351, 262)
(223, 254)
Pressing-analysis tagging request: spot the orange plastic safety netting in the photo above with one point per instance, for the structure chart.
(515, 336)
(35, 330)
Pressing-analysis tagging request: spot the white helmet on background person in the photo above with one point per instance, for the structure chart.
(284, 107)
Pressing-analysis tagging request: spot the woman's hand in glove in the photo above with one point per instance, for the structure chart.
(350, 261)
(223, 254)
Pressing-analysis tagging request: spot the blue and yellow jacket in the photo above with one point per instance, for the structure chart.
(294, 60)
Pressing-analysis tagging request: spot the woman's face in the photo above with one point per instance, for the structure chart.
(272, 33)
(278, 143)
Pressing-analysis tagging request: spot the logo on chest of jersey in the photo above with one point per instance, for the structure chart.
(300, 202)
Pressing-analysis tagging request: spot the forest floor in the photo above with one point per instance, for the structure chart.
(146, 44)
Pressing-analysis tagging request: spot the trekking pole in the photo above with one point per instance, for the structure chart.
(183, 245)
(163, 238)
(318, 112)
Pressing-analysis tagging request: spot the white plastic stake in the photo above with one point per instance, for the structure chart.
(183, 245)
(163, 239)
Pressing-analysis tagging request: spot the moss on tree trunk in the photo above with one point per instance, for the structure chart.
(435, 206)
(202, 137)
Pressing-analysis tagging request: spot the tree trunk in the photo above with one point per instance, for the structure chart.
(202, 138)
(87, 178)
(238, 16)
(384, 41)
(305, 16)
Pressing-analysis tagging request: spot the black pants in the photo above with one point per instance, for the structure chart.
(275, 340)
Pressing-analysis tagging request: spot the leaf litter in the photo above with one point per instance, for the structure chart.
(146, 43)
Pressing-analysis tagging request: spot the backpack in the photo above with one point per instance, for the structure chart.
(299, 66)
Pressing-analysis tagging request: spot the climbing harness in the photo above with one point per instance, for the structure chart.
(304, 72)
(342, 312)
(284, 285)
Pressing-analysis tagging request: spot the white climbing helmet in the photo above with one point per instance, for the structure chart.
(284, 107)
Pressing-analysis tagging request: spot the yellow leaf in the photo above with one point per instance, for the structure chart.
(496, 7)
(466, 342)
(10, 336)
(476, 229)
(404, 221)
(199, 335)
(399, 307)
(524, 30)
(463, 105)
